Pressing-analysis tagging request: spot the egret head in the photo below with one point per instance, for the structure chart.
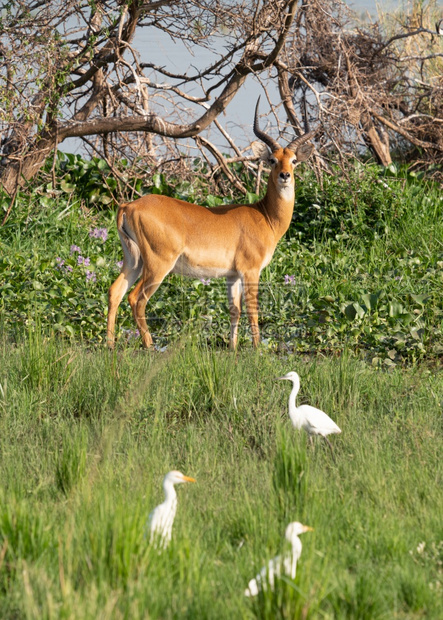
(291, 376)
(294, 530)
(176, 477)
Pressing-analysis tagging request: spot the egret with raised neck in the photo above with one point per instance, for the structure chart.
(162, 517)
(314, 421)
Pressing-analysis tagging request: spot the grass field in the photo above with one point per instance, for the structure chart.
(352, 300)
(87, 435)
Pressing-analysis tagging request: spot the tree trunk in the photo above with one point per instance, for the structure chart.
(377, 140)
(15, 171)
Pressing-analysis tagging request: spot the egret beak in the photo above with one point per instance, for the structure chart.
(308, 529)
(188, 479)
(280, 378)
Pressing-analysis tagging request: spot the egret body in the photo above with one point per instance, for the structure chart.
(312, 420)
(162, 517)
(285, 564)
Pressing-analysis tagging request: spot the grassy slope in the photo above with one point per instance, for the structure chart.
(86, 436)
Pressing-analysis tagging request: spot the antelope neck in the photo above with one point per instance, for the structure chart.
(278, 206)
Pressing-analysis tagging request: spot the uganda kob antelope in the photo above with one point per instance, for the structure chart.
(162, 235)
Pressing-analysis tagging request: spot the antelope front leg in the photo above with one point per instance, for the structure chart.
(250, 286)
(234, 298)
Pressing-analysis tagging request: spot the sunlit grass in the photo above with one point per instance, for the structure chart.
(86, 437)
(359, 268)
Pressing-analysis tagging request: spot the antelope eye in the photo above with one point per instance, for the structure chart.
(272, 161)
(294, 161)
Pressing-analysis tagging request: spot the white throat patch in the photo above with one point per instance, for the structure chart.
(286, 191)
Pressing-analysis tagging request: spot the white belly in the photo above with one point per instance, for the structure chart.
(267, 259)
(194, 270)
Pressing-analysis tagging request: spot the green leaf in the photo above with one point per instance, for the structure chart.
(111, 183)
(350, 312)
(395, 309)
(360, 311)
(354, 310)
(67, 187)
(158, 181)
(213, 201)
(392, 168)
(417, 334)
(93, 196)
(419, 299)
(370, 300)
(406, 318)
(46, 201)
(251, 197)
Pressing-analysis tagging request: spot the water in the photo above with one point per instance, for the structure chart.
(158, 48)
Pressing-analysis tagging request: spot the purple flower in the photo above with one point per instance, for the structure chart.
(61, 265)
(289, 279)
(80, 260)
(205, 282)
(75, 248)
(129, 333)
(90, 276)
(99, 233)
(119, 264)
(86, 261)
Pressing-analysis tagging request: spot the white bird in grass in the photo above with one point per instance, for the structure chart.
(312, 420)
(162, 517)
(285, 564)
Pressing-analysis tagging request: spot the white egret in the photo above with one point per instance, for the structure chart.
(162, 517)
(285, 564)
(312, 420)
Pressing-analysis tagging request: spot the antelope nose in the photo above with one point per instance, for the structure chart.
(285, 175)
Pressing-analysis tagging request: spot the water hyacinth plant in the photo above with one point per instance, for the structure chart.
(345, 274)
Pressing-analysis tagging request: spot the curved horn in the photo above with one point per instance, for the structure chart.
(295, 144)
(261, 135)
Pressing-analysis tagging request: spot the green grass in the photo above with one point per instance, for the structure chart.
(360, 267)
(87, 435)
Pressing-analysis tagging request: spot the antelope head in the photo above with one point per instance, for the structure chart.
(281, 160)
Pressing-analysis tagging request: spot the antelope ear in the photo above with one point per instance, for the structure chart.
(304, 152)
(260, 150)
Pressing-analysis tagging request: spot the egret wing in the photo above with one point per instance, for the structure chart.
(319, 422)
(268, 573)
(160, 523)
